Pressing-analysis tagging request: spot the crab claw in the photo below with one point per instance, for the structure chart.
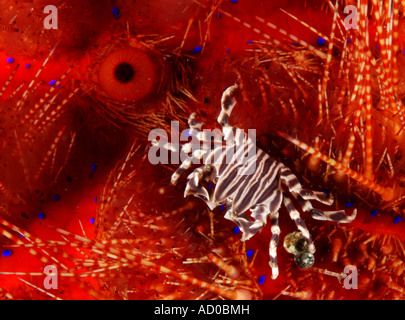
(248, 227)
(194, 188)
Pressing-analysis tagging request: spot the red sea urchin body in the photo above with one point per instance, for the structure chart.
(185, 55)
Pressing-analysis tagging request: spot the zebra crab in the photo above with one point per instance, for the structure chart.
(255, 184)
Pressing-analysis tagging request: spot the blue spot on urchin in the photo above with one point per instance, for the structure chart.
(397, 219)
(234, 1)
(27, 65)
(249, 253)
(197, 49)
(41, 216)
(228, 50)
(349, 204)
(222, 207)
(374, 213)
(262, 279)
(92, 220)
(10, 60)
(187, 133)
(116, 12)
(52, 82)
(236, 230)
(94, 166)
(7, 253)
(321, 41)
(56, 197)
(250, 41)
(95, 199)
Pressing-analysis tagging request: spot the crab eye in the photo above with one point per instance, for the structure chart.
(127, 75)
(203, 197)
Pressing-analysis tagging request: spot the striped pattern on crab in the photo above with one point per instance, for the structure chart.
(255, 184)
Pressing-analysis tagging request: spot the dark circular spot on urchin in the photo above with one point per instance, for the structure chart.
(124, 72)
